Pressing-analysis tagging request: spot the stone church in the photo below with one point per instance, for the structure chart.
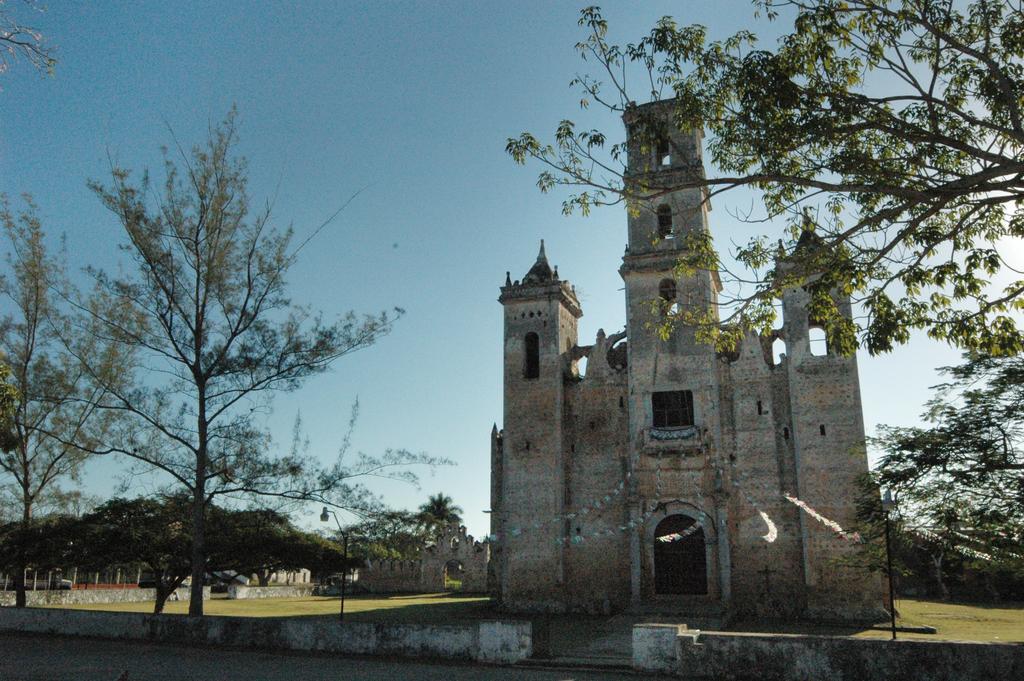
(658, 480)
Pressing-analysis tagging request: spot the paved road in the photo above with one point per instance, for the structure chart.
(37, 658)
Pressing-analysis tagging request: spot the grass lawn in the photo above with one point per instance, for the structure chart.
(1002, 622)
(429, 608)
(954, 621)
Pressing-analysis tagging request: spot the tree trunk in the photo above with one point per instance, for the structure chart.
(161, 597)
(20, 598)
(263, 577)
(195, 605)
(939, 581)
(991, 589)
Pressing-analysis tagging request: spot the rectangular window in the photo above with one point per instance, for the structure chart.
(672, 409)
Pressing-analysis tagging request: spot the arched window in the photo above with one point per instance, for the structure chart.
(667, 290)
(778, 350)
(662, 153)
(531, 366)
(665, 221)
(818, 341)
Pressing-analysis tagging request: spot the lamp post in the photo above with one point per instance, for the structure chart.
(888, 505)
(325, 516)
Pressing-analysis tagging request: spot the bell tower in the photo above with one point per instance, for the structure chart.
(541, 313)
(674, 382)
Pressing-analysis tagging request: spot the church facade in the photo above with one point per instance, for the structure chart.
(668, 476)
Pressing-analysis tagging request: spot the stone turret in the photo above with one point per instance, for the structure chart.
(541, 313)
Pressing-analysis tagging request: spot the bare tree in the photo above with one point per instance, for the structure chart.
(206, 315)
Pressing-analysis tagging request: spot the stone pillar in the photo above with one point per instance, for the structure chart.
(634, 559)
(655, 647)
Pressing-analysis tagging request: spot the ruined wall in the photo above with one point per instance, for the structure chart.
(390, 576)
(760, 429)
(427, 574)
(455, 545)
(489, 641)
(243, 592)
(595, 453)
(665, 649)
(83, 596)
(767, 576)
(830, 457)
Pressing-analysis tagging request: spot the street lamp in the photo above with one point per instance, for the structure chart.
(325, 516)
(887, 506)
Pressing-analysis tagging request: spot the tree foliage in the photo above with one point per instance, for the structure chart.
(389, 534)
(54, 422)
(262, 541)
(203, 307)
(45, 544)
(960, 481)
(439, 511)
(893, 129)
(156, 533)
(21, 41)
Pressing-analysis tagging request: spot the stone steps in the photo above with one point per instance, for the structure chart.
(710, 617)
(610, 663)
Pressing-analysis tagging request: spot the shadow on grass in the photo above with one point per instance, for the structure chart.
(438, 609)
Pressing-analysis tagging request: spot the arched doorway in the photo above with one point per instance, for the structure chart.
(453, 575)
(680, 564)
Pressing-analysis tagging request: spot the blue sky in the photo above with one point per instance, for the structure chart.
(410, 102)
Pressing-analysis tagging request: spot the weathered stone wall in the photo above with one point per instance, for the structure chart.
(427, 574)
(761, 429)
(453, 544)
(286, 577)
(390, 576)
(780, 657)
(829, 456)
(767, 577)
(532, 571)
(595, 455)
(84, 596)
(497, 642)
(242, 592)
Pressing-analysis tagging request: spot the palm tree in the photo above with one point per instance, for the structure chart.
(438, 511)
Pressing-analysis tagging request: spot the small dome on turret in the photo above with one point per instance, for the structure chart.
(541, 271)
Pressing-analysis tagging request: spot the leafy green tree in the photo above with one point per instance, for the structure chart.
(389, 534)
(46, 544)
(438, 512)
(155, 533)
(960, 480)
(203, 307)
(261, 542)
(974, 445)
(54, 422)
(894, 130)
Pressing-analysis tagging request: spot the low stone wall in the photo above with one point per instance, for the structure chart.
(498, 642)
(242, 592)
(764, 657)
(85, 596)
